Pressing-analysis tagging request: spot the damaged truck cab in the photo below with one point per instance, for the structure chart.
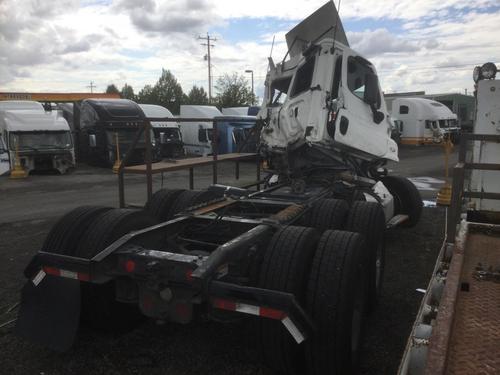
(327, 98)
(42, 140)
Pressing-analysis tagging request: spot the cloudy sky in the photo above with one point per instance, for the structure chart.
(62, 45)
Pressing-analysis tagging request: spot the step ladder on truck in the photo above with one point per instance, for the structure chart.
(457, 330)
(305, 254)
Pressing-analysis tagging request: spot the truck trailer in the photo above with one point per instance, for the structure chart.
(304, 254)
(41, 140)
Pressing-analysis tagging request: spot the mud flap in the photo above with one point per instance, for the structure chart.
(49, 314)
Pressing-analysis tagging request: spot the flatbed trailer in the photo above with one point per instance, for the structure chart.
(457, 329)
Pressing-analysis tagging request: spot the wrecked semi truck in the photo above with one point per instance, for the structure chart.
(41, 140)
(305, 254)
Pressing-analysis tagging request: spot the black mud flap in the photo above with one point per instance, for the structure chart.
(49, 314)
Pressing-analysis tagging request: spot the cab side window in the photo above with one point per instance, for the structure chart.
(303, 77)
(357, 68)
(337, 78)
(403, 109)
(88, 116)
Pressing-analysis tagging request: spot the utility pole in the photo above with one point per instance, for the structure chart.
(91, 86)
(208, 43)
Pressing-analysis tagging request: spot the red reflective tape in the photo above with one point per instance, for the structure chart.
(51, 271)
(224, 304)
(130, 266)
(267, 312)
(189, 275)
(83, 276)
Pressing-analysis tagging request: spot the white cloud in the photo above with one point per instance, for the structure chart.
(64, 47)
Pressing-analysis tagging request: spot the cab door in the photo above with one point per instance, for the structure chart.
(4, 158)
(355, 125)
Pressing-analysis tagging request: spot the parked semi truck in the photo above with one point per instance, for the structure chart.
(457, 329)
(102, 122)
(41, 140)
(236, 132)
(423, 121)
(305, 254)
(167, 134)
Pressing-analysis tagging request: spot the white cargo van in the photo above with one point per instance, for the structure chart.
(422, 121)
(43, 139)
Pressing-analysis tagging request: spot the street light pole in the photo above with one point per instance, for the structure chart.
(253, 93)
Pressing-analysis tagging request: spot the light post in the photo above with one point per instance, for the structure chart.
(253, 93)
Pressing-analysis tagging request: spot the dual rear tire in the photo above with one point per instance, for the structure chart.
(327, 276)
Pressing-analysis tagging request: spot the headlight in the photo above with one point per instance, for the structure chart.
(476, 75)
(488, 70)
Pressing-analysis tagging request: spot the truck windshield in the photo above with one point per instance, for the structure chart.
(40, 140)
(171, 133)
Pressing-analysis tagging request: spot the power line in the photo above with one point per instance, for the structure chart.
(208, 43)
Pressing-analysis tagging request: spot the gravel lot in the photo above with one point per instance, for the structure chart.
(30, 207)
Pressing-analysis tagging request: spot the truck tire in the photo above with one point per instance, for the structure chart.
(161, 201)
(368, 219)
(407, 199)
(190, 198)
(335, 301)
(69, 229)
(285, 267)
(67, 233)
(326, 214)
(99, 306)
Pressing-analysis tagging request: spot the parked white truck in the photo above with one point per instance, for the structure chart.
(168, 135)
(423, 121)
(42, 140)
(197, 136)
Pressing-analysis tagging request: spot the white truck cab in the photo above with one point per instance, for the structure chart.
(325, 100)
(41, 139)
(422, 121)
(168, 134)
(197, 135)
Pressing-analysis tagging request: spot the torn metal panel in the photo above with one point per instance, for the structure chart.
(325, 22)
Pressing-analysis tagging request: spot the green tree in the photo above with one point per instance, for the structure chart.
(127, 92)
(167, 92)
(145, 96)
(233, 91)
(197, 96)
(112, 89)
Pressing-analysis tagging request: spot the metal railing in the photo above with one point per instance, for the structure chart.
(458, 190)
(146, 129)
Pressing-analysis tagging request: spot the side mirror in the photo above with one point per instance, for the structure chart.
(163, 138)
(92, 140)
(372, 94)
